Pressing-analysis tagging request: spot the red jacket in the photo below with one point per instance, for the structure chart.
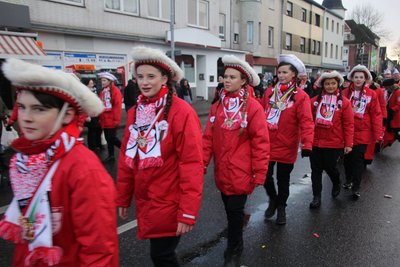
(369, 127)
(394, 105)
(85, 194)
(172, 193)
(240, 161)
(340, 134)
(380, 94)
(111, 118)
(295, 125)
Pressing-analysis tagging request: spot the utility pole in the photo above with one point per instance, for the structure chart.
(172, 29)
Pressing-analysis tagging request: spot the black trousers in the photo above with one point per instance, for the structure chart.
(283, 178)
(111, 137)
(162, 251)
(324, 159)
(354, 165)
(94, 138)
(234, 208)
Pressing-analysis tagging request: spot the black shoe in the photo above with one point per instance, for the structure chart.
(281, 217)
(335, 190)
(356, 195)
(232, 256)
(316, 203)
(348, 185)
(109, 159)
(270, 211)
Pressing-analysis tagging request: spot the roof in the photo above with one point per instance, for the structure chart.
(362, 33)
(333, 4)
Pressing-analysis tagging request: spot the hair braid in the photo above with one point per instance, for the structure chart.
(244, 107)
(167, 104)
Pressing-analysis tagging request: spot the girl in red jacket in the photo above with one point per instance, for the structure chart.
(367, 125)
(63, 210)
(160, 161)
(289, 121)
(237, 136)
(333, 133)
(111, 116)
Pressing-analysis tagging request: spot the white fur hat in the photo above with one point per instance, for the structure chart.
(395, 71)
(107, 75)
(330, 75)
(231, 61)
(294, 61)
(148, 56)
(28, 76)
(360, 68)
(387, 71)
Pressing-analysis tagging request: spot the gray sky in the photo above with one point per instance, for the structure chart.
(390, 10)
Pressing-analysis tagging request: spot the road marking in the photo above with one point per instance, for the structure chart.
(3, 209)
(128, 226)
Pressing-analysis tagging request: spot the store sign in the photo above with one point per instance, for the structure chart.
(114, 59)
(79, 58)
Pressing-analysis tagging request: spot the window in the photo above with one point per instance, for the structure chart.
(71, 2)
(249, 32)
(302, 44)
(236, 32)
(327, 23)
(337, 28)
(198, 13)
(289, 9)
(331, 50)
(288, 45)
(326, 49)
(222, 23)
(318, 50)
(125, 6)
(341, 54)
(159, 9)
(272, 4)
(270, 36)
(303, 15)
(333, 26)
(259, 33)
(317, 20)
(314, 47)
(337, 52)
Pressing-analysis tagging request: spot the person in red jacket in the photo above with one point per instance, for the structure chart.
(110, 118)
(367, 125)
(63, 210)
(160, 160)
(289, 121)
(333, 133)
(237, 136)
(389, 89)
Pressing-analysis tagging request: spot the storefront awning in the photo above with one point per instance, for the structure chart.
(19, 46)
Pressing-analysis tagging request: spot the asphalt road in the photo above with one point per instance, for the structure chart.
(342, 232)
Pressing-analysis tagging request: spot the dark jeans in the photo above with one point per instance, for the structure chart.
(283, 178)
(354, 165)
(94, 138)
(162, 251)
(112, 140)
(234, 208)
(324, 159)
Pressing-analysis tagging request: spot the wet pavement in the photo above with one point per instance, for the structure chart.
(343, 232)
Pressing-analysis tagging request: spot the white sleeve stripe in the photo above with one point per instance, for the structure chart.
(189, 216)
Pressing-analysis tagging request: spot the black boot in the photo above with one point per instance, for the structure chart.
(270, 211)
(335, 190)
(316, 203)
(281, 217)
(232, 256)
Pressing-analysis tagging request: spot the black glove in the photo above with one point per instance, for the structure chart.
(306, 153)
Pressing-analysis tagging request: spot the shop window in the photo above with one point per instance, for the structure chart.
(186, 62)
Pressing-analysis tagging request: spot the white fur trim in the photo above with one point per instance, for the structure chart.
(387, 71)
(143, 55)
(293, 60)
(233, 61)
(359, 68)
(108, 76)
(395, 71)
(329, 75)
(37, 78)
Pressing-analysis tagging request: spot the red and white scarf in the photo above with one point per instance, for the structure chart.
(279, 101)
(359, 101)
(147, 131)
(28, 218)
(326, 109)
(232, 105)
(105, 96)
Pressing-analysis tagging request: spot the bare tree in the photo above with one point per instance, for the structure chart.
(369, 16)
